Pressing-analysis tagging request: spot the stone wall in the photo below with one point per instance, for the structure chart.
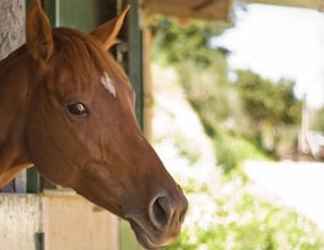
(12, 26)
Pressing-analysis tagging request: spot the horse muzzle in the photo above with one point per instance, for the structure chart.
(161, 224)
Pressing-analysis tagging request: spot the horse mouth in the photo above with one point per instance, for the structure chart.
(145, 238)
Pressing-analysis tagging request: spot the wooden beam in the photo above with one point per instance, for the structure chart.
(148, 111)
(310, 4)
(135, 57)
(201, 9)
(134, 68)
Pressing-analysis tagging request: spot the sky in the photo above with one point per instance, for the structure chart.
(280, 42)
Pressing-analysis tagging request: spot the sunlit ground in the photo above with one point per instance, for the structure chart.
(298, 185)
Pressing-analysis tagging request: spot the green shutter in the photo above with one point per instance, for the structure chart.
(83, 15)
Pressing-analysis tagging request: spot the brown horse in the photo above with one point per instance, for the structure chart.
(67, 107)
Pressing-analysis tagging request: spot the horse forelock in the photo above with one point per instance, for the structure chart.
(80, 54)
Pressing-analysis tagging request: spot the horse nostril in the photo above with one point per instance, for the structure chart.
(160, 212)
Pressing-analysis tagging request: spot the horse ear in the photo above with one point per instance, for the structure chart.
(107, 33)
(39, 35)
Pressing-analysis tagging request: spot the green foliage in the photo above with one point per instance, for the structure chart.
(176, 44)
(268, 102)
(232, 151)
(244, 222)
(258, 109)
(273, 112)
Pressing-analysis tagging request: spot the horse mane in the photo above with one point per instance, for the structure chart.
(80, 53)
(75, 50)
(11, 59)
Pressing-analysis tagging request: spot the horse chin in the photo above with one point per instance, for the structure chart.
(146, 238)
(143, 238)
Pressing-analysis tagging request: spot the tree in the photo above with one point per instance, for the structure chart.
(268, 102)
(270, 106)
(177, 44)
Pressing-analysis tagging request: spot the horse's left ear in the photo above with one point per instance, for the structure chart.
(107, 33)
(39, 35)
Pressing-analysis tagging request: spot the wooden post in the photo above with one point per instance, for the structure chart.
(135, 57)
(148, 84)
(200, 9)
(12, 36)
(134, 68)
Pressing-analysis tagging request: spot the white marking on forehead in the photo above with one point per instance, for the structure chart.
(108, 84)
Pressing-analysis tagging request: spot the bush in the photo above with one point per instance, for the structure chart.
(232, 151)
(244, 222)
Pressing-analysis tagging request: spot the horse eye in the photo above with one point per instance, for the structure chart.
(78, 109)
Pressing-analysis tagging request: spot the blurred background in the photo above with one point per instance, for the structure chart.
(237, 115)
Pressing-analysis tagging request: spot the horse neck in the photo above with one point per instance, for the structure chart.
(14, 92)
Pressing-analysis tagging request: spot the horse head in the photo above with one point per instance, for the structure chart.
(82, 132)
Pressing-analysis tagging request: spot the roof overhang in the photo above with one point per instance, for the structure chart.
(213, 10)
(202, 9)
